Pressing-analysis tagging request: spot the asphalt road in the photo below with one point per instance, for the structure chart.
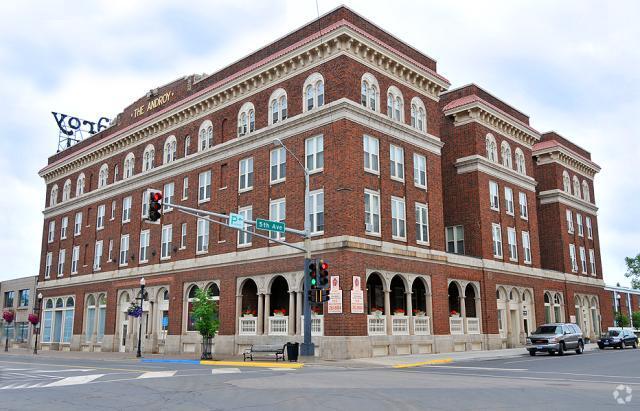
(584, 382)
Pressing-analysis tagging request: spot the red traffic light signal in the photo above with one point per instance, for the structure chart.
(155, 205)
(323, 274)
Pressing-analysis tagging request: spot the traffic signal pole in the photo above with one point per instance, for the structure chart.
(307, 348)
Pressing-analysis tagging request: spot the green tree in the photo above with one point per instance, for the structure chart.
(205, 316)
(636, 319)
(622, 320)
(633, 270)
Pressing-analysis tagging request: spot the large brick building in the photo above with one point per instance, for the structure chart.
(436, 201)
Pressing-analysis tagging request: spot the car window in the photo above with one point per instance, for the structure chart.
(613, 333)
(548, 329)
(577, 329)
(568, 329)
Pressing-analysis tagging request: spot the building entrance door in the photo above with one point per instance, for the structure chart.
(123, 336)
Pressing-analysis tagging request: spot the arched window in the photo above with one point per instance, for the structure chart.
(278, 106)
(187, 144)
(80, 185)
(170, 146)
(246, 119)
(191, 324)
(395, 105)
(369, 92)
(53, 196)
(116, 170)
(103, 175)
(66, 190)
(492, 148)
(214, 293)
(586, 193)
(520, 164)
(576, 187)
(557, 308)
(566, 182)
(148, 158)
(418, 114)
(205, 135)
(313, 92)
(102, 315)
(547, 308)
(129, 164)
(505, 152)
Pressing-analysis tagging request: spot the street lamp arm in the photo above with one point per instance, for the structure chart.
(279, 142)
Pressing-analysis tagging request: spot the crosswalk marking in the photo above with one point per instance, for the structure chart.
(79, 379)
(157, 374)
(225, 371)
(283, 369)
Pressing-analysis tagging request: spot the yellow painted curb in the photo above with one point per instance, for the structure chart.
(253, 364)
(418, 364)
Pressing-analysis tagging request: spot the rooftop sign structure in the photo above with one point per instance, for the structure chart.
(73, 129)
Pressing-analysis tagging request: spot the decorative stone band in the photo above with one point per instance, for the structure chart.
(481, 164)
(559, 196)
(561, 155)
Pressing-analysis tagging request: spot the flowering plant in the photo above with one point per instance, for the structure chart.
(8, 316)
(247, 312)
(34, 319)
(417, 311)
(376, 310)
(454, 313)
(134, 310)
(316, 309)
(398, 311)
(280, 311)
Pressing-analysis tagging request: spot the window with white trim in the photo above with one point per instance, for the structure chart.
(144, 246)
(148, 158)
(145, 204)
(113, 209)
(115, 173)
(513, 244)
(167, 198)
(422, 223)
(47, 266)
(170, 149)
(372, 212)
(371, 154)
(185, 188)
(395, 104)
(496, 235)
(566, 182)
(505, 151)
(583, 260)
(187, 145)
(579, 224)
(316, 211)
(202, 245)
(205, 136)
(396, 160)
(455, 239)
(508, 200)
(165, 244)
(245, 175)
(589, 228)
(53, 196)
(398, 219)
(521, 166)
(64, 224)
(494, 197)
(572, 257)
(592, 261)
(369, 92)
(62, 254)
(278, 165)
(129, 165)
(244, 238)
(524, 207)
(124, 250)
(246, 119)
(75, 257)
(80, 185)
(278, 106)
(77, 224)
(420, 170)
(314, 153)
(492, 148)
(570, 228)
(313, 90)
(66, 190)
(52, 231)
(526, 246)
(277, 212)
(97, 255)
(204, 186)
(126, 209)
(586, 193)
(103, 175)
(100, 217)
(183, 236)
(110, 251)
(576, 187)
(418, 114)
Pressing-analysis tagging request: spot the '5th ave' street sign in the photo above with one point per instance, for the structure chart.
(270, 225)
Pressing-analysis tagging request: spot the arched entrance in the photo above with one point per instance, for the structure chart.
(277, 307)
(375, 294)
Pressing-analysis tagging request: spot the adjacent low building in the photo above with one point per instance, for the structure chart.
(17, 296)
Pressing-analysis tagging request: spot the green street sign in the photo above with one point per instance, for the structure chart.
(269, 225)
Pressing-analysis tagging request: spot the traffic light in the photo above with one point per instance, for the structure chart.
(313, 273)
(323, 274)
(155, 205)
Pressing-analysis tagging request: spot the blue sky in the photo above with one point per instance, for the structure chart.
(572, 66)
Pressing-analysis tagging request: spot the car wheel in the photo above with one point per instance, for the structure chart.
(580, 348)
(635, 345)
(532, 353)
(622, 345)
(561, 349)
(601, 346)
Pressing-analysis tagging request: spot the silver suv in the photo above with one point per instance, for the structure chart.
(556, 338)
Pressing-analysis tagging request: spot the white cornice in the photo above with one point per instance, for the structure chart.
(343, 109)
(478, 163)
(568, 159)
(491, 118)
(342, 243)
(559, 196)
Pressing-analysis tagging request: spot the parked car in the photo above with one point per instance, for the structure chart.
(618, 338)
(556, 338)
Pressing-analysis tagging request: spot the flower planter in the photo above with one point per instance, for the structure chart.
(247, 315)
(419, 314)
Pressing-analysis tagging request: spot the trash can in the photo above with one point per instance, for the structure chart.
(292, 351)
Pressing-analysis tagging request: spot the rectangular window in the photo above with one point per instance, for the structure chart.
(316, 211)
(204, 186)
(244, 238)
(398, 219)
(513, 244)
(278, 165)
(23, 298)
(245, 182)
(371, 154)
(420, 170)
(63, 227)
(165, 249)
(455, 239)
(579, 224)
(494, 197)
(75, 257)
(589, 228)
(124, 250)
(100, 217)
(52, 231)
(62, 254)
(314, 153)
(77, 225)
(583, 260)
(8, 299)
(110, 254)
(396, 159)
(526, 246)
(203, 236)
(47, 265)
(508, 200)
(97, 255)
(126, 209)
(422, 223)
(167, 197)
(524, 208)
(144, 246)
(277, 212)
(572, 256)
(113, 209)
(569, 221)
(183, 236)
(592, 261)
(496, 234)
(145, 204)
(185, 188)
(372, 212)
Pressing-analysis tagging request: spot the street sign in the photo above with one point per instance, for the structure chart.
(236, 220)
(270, 225)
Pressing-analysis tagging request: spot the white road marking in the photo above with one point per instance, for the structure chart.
(67, 370)
(79, 379)
(8, 387)
(225, 371)
(283, 369)
(453, 367)
(157, 374)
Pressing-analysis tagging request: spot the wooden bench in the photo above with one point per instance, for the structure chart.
(264, 350)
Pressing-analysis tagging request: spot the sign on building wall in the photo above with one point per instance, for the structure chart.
(335, 296)
(357, 296)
